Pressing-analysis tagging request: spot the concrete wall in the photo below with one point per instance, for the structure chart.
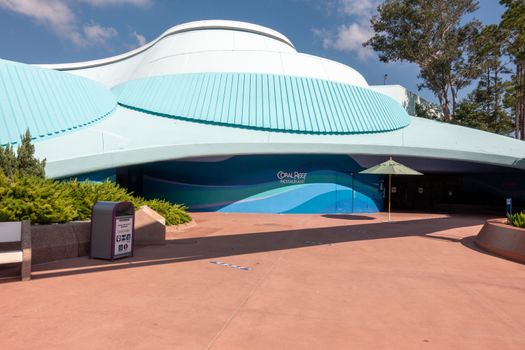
(71, 240)
(60, 241)
(504, 240)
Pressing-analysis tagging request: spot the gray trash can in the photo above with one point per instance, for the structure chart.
(112, 230)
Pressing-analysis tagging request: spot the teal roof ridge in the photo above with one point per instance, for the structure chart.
(47, 102)
(265, 102)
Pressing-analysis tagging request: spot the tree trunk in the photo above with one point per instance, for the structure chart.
(487, 106)
(520, 101)
(454, 94)
(496, 91)
(445, 102)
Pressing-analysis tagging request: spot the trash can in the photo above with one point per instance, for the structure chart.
(112, 230)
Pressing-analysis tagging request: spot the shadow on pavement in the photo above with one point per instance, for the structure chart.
(208, 247)
(347, 217)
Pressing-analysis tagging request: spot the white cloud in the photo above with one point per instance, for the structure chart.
(60, 17)
(348, 38)
(360, 8)
(351, 36)
(55, 14)
(97, 34)
(141, 40)
(101, 3)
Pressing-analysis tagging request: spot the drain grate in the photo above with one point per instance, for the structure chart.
(244, 268)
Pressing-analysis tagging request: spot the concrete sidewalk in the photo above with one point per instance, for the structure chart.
(246, 281)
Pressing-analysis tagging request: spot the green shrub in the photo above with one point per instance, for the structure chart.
(47, 201)
(174, 214)
(86, 193)
(41, 201)
(518, 220)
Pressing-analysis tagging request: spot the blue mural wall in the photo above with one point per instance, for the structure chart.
(266, 184)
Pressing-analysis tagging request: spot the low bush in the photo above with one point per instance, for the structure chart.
(41, 201)
(174, 214)
(518, 220)
(48, 201)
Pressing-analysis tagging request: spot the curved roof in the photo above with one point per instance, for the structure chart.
(187, 84)
(130, 137)
(266, 102)
(213, 46)
(47, 102)
(181, 28)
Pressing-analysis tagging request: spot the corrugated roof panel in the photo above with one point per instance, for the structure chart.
(47, 102)
(265, 102)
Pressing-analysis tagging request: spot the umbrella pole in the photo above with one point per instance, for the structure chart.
(389, 194)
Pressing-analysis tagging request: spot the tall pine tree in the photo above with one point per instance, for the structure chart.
(23, 161)
(484, 107)
(27, 164)
(513, 26)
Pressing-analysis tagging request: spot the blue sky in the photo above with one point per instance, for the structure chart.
(56, 31)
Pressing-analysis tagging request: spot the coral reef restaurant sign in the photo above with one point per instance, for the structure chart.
(291, 177)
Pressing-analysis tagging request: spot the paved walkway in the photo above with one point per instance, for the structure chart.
(279, 282)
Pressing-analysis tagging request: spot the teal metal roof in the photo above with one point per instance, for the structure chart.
(47, 102)
(265, 101)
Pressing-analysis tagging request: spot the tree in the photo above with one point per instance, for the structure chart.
(7, 161)
(484, 107)
(473, 112)
(27, 164)
(23, 162)
(513, 27)
(433, 35)
(427, 111)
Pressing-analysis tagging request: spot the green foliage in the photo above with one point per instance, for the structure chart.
(22, 163)
(513, 23)
(434, 35)
(86, 193)
(27, 164)
(518, 220)
(484, 108)
(513, 28)
(36, 199)
(476, 111)
(173, 213)
(48, 201)
(7, 161)
(427, 111)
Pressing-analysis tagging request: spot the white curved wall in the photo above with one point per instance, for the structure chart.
(214, 46)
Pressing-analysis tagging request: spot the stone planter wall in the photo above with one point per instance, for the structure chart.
(71, 240)
(60, 241)
(501, 239)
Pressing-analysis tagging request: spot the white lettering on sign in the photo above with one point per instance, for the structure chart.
(291, 177)
(123, 235)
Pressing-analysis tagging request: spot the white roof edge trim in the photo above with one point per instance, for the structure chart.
(97, 162)
(181, 28)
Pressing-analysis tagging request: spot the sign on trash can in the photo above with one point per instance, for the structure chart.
(112, 230)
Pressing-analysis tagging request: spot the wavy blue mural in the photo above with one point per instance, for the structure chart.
(266, 184)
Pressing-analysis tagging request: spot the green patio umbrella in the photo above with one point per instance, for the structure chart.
(390, 167)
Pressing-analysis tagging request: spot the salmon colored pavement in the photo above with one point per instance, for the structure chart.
(247, 281)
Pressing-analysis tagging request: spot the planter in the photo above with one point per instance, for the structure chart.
(60, 241)
(501, 239)
(70, 240)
